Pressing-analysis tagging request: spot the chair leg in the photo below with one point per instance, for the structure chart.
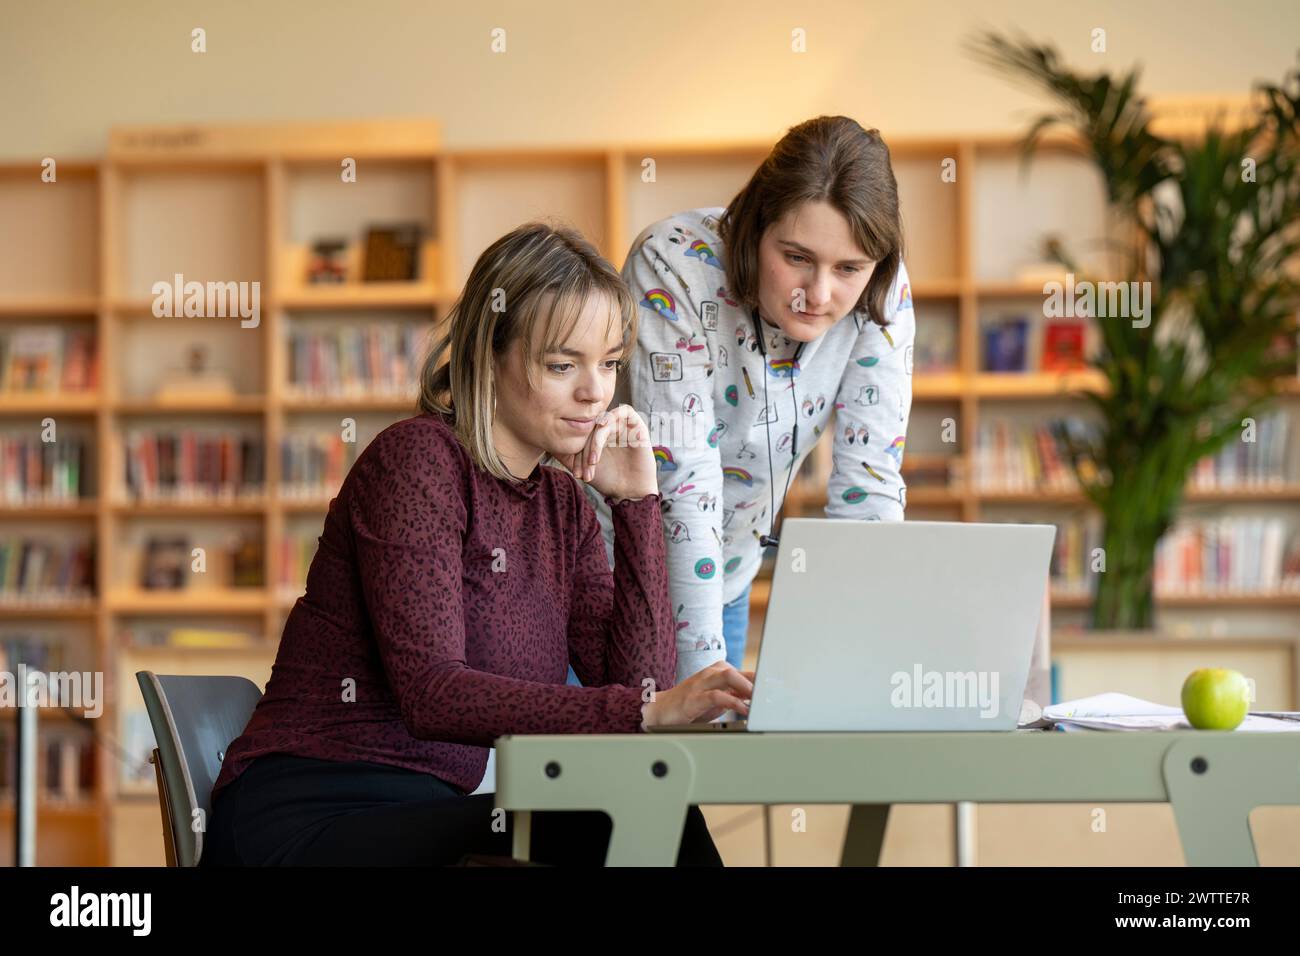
(164, 804)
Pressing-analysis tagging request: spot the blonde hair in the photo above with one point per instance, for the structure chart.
(535, 273)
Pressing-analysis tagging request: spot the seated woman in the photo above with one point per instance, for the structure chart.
(456, 580)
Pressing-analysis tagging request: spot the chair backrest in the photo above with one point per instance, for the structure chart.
(194, 720)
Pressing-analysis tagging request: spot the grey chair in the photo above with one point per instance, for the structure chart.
(194, 720)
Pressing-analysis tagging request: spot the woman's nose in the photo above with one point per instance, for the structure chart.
(588, 388)
(819, 293)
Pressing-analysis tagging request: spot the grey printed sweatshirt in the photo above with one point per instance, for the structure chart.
(697, 378)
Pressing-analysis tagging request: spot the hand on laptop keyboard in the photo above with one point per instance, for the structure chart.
(717, 690)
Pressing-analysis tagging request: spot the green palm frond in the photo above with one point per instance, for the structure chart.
(1215, 223)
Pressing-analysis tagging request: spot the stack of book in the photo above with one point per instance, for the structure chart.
(38, 472)
(1230, 554)
(1077, 539)
(380, 358)
(37, 651)
(43, 358)
(192, 465)
(36, 570)
(1043, 457)
(314, 464)
(65, 764)
(1259, 458)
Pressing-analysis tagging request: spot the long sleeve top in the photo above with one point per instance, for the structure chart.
(698, 378)
(444, 606)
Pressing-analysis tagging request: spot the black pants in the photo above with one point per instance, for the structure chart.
(285, 810)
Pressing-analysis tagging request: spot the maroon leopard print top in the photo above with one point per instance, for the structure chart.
(444, 606)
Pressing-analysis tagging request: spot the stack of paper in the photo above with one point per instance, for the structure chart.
(1122, 712)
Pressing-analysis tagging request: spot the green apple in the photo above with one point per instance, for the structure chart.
(1215, 698)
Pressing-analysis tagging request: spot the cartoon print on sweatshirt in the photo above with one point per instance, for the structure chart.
(689, 345)
(708, 315)
(895, 449)
(873, 473)
(855, 436)
(868, 395)
(787, 368)
(665, 271)
(664, 460)
(660, 301)
(699, 249)
(904, 300)
(679, 236)
(811, 407)
(745, 339)
(740, 475)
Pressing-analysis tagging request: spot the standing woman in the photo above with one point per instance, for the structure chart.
(457, 578)
(758, 323)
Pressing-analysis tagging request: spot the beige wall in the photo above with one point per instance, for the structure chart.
(579, 71)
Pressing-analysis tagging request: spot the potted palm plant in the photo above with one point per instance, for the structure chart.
(1212, 222)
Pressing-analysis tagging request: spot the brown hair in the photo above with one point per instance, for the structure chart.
(536, 273)
(832, 159)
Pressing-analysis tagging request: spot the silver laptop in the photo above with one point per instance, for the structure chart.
(892, 626)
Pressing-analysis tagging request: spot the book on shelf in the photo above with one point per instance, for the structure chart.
(313, 464)
(375, 359)
(40, 570)
(65, 765)
(1063, 345)
(1049, 456)
(1006, 344)
(165, 565)
(936, 350)
(1242, 463)
(192, 464)
(247, 562)
(145, 635)
(34, 650)
(1072, 554)
(1229, 554)
(296, 552)
(49, 359)
(40, 472)
(392, 253)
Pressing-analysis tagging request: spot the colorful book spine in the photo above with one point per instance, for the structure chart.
(379, 359)
(192, 464)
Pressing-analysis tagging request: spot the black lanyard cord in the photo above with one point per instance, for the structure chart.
(772, 538)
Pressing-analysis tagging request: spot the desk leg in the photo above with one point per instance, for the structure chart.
(866, 834)
(1214, 781)
(641, 835)
(645, 834)
(523, 835)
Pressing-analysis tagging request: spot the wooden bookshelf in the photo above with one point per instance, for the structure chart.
(245, 203)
